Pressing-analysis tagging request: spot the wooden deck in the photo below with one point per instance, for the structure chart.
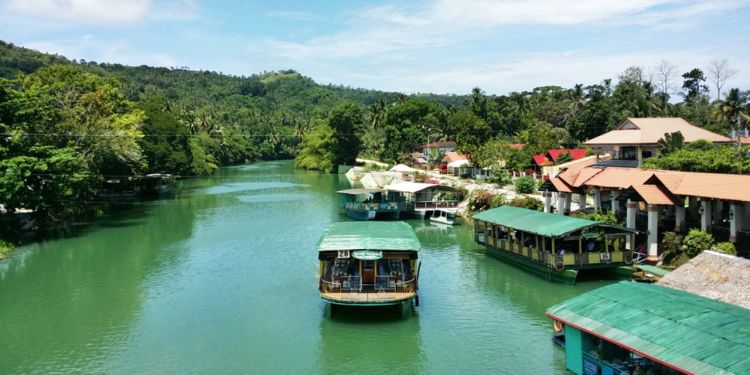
(367, 298)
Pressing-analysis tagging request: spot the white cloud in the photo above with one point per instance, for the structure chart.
(91, 48)
(102, 12)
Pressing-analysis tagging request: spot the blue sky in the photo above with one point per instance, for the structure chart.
(436, 46)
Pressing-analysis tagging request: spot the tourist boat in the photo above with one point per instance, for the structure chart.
(369, 204)
(444, 216)
(368, 263)
(553, 246)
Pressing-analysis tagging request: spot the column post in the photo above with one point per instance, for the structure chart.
(560, 203)
(706, 215)
(630, 222)
(568, 200)
(653, 233)
(547, 201)
(679, 217)
(735, 213)
(614, 194)
(581, 201)
(597, 199)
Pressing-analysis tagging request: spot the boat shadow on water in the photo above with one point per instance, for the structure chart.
(370, 314)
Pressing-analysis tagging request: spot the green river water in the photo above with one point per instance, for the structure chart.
(221, 279)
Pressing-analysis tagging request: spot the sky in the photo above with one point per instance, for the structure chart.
(437, 46)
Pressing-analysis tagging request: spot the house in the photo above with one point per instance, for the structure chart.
(455, 163)
(636, 139)
(435, 149)
(552, 156)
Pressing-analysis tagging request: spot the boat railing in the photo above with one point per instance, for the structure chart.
(354, 284)
(383, 206)
(425, 205)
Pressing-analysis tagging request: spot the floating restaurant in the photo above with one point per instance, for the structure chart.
(424, 199)
(369, 204)
(645, 328)
(368, 263)
(552, 246)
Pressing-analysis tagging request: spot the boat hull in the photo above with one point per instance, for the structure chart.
(567, 276)
(364, 215)
(367, 299)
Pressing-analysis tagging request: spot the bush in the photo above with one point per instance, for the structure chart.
(526, 202)
(5, 248)
(525, 185)
(500, 177)
(725, 247)
(480, 200)
(696, 241)
(672, 249)
(607, 218)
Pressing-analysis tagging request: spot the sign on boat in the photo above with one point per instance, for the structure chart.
(368, 263)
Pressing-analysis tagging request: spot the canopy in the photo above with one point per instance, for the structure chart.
(684, 331)
(360, 191)
(458, 163)
(541, 223)
(369, 235)
(402, 168)
(409, 187)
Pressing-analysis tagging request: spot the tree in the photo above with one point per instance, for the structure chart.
(694, 85)
(525, 185)
(671, 142)
(470, 130)
(346, 123)
(732, 110)
(665, 73)
(719, 72)
(317, 149)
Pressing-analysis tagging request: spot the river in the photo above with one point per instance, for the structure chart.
(221, 279)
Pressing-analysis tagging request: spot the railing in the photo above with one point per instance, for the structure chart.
(385, 206)
(353, 284)
(424, 205)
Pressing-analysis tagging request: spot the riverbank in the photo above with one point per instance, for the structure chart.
(5, 249)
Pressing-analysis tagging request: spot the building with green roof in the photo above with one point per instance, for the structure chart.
(552, 246)
(613, 329)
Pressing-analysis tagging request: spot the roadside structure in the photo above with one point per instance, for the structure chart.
(636, 139)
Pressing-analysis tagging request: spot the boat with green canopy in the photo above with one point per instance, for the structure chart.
(368, 263)
(553, 246)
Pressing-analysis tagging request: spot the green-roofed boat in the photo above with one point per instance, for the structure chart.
(368, 263)
(552, 246)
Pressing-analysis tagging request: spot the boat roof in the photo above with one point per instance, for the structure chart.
(369, 235)
(359, 191)
(413, 187)
(541, 223)
(684, 331)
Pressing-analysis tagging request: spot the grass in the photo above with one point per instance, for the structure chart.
(5, 248)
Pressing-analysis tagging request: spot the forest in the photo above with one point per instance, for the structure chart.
(67, 126)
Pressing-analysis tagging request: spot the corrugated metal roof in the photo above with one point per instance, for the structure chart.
(369, 235)
(359, 191)
(683, 330)
(541, 223)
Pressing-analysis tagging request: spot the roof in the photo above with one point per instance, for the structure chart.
(516, 146)
(541, 223)
(440, 144)
(679, 329)
(458, 163)
(619, 178)
(541, 160)
(402, 168)
(713, 275)
(575, 153)
(733, 187)
(572, 169)
(369, 235)
(359, 191)
(409, 187)
(651, 130)
(560, 185)
(453, 156)
(745, 140)
(653, 194)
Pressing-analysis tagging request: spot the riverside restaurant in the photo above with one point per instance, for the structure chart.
(552, 246)
(369, 263)
(638, 328)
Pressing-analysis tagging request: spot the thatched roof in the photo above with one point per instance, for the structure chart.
(713, 275)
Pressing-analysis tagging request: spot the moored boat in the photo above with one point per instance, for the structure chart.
(552, 246)
(371, 204)
(444, 216)
(368, 263)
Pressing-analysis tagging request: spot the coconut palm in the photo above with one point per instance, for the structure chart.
(733, 110)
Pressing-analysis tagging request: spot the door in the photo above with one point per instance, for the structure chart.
(368, 272)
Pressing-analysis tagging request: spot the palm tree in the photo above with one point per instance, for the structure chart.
(378, 112)
(733, 109)
(671, 142)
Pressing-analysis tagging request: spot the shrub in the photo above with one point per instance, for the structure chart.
(607, 218)
(500, 177)
(696, 241)
(526, 202)
(725, 247)
(671, 249)
(525, 185)
(480, 200)
(5, 248)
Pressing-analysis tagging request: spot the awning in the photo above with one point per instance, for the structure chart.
(458, 163)
(402, 168)
(360, 191)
